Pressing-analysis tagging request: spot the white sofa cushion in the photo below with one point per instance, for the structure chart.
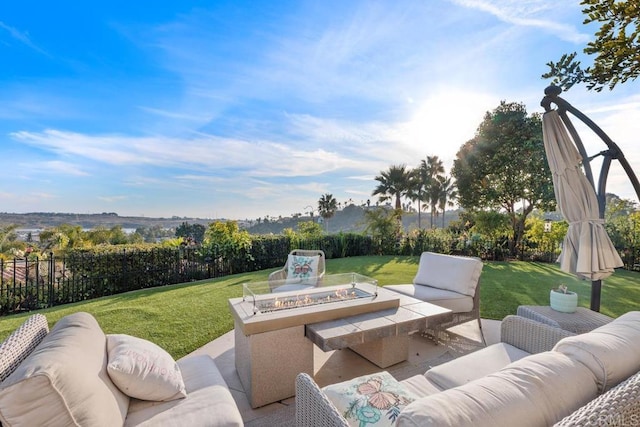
(538, 390)
(64, 381)
(142, 369)
(474, 365)
(420, 386)
(457, 303)
(610, 351)
(453, 273)
(208, 402)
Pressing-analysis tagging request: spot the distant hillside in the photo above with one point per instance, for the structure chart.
(40, 220)
(349, 219)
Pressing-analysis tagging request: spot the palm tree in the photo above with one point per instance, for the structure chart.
(448, 194)
(433, 169)
(327, 206)
(418, 185)
(394, 183)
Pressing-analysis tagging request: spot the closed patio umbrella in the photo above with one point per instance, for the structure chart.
(587, 250)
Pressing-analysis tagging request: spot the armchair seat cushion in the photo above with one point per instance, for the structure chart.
(208, 402)
(474, 365)
(454, 301)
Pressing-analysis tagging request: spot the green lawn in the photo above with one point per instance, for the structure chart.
(181, 318)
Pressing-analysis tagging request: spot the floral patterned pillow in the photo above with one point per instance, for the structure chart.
(370, 400)
(303, 270)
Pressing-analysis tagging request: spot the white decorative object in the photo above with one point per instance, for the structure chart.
(563, 300)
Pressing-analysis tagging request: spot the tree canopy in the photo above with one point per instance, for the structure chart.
(504, 166)
(327, 206)
(616, 46)
(393, 184)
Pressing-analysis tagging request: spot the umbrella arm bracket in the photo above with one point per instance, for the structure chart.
(612, 153)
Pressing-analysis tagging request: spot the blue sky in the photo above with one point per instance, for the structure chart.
(238, 109)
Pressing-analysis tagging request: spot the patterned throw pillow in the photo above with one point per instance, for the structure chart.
(370, 400)
(302, 270)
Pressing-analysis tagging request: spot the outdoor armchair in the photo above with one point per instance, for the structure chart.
(304, 267)
(449, 281)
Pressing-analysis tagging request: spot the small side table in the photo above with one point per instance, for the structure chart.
(583, 320)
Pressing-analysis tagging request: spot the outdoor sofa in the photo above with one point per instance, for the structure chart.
(538, 375)
(77, 375)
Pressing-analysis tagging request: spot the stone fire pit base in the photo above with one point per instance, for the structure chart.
(267, 363)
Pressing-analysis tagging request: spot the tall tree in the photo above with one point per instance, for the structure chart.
(616, 46)
(393, 184)
(433, 168)
(448, 194)
(418, 184)
(504, 167)
(327, 206)
(193, 232)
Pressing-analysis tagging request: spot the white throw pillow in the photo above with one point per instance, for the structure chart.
(141, 369)
(302, 270)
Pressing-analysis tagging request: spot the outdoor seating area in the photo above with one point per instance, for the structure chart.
(77, 375)
(409, 355)
(536, 375)
(576, 377)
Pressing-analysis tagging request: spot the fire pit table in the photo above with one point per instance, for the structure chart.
(277, 324)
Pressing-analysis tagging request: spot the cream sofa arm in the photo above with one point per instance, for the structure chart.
(312, 406)
(529, 335)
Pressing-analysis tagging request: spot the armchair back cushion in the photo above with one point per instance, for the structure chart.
(538, 390)
(449, 272)
(64, 381)
(610, 351)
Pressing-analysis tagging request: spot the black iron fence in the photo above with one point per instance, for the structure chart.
(30, 284)
(35, 283)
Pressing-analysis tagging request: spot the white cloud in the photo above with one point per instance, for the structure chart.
(21, 37)
(531, 13)
(63, 168)
(112, 199)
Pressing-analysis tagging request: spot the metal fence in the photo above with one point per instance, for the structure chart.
(30, 284)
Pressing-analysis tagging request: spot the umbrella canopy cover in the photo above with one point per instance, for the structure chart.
(587, 250)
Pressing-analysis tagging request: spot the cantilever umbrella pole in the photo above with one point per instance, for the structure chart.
(613, 152)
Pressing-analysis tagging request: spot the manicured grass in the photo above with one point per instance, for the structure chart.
(181, 318)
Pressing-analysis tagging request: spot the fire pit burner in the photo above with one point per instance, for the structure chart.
(281, 295)
(306, 299)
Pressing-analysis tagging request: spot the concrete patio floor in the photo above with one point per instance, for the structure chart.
(341, 365)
